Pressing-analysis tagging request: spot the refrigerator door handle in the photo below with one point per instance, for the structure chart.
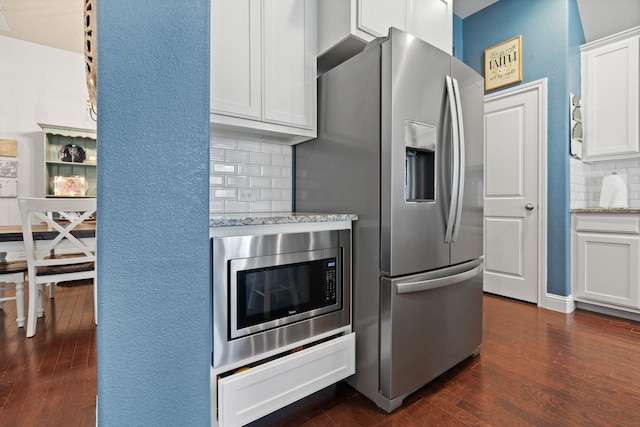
(461, 157)
(456, 164)
(424, 285)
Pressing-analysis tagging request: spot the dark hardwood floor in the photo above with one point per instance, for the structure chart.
(50, 379)
(536, 368)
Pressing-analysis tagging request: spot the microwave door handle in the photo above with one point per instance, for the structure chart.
(461, 161)
(440, 282)
(456, 171)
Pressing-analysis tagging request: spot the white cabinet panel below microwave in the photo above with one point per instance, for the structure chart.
(256, 392)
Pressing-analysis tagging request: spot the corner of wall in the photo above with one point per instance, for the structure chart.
(458, 31)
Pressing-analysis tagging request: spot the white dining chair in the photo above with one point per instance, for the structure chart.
(12, 279)
(63, 258)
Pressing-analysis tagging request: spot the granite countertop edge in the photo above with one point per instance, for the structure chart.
(266, 218)
(605, 210)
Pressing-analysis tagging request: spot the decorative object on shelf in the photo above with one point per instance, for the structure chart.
(70, 186)
(72, 153)
(62, 158)
(575, 147)
(91, 57)
(503, 64)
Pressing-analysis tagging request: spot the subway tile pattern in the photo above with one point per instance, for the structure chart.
(249, 176)
(254, 176)
(586, 181)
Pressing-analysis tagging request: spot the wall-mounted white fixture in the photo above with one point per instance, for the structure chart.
(576, 126)
(4, 25)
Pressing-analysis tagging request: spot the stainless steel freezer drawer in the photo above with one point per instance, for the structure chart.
(429, 323)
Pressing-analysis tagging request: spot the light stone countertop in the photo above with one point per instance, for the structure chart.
(264, 218)
(605, 210)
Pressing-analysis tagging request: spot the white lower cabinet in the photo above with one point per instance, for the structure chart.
(250, 394)
(606, 259)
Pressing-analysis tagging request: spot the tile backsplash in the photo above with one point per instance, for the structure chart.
(254, 176)
(586, 181)
(249, 176)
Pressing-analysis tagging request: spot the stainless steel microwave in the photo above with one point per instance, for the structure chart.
(273, 290)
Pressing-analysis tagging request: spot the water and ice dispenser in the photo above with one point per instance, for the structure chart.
(420, 173)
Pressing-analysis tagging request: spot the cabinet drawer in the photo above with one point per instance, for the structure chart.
(254, 393)
(616, 223)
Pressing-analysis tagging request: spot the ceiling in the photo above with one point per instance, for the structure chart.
(624, 15)
(59, 23)
(601, 18)
(53, 23)
(464, 8)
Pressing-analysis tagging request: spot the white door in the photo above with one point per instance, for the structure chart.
(515, 129)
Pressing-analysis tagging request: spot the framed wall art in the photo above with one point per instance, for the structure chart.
(503, 64)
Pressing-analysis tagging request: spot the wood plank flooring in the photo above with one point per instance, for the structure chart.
(50, 379)
(536, 368)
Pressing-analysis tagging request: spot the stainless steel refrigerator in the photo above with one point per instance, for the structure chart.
(401, 144)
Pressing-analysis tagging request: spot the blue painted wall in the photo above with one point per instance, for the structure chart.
(551, 32)
(458, 48)
(153, 203)
(576, 38)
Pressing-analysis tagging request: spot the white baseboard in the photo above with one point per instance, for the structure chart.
(558, 303)
(630, 314)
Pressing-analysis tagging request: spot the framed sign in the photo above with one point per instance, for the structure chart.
(503, 63)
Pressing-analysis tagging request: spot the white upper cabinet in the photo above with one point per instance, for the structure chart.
(346, 26)
(376, 16)
(263, 69)
(611, 93)
(432, 21)
(236, 69)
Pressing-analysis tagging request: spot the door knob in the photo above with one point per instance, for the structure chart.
(529, 206)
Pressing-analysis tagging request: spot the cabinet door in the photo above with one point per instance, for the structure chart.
(611, 94)
(235, 58)
(432, 21)
(289, 62)
(607, 267)
(376, 16)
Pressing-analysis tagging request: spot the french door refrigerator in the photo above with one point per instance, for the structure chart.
(400, 143)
